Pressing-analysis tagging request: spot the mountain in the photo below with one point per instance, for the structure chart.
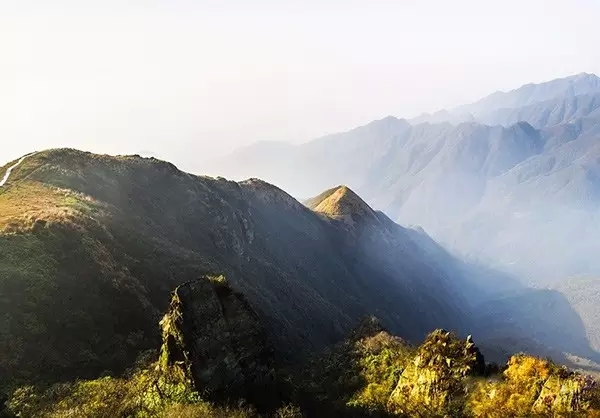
(450, 179)
(300, 168)
(260, 299)
(442, 116)
(552, 112)
(582, 294)
(511, 182)
(92, 245)
(529, 94)
(343, 204)
(540, 104)
(489, 189)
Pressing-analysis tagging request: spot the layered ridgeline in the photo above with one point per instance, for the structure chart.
(542, 104)
(511, 181)
(257, 290)
(217, 360)
(508, 184)
(91, 247)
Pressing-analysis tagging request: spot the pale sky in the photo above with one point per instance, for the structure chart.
(192, 79)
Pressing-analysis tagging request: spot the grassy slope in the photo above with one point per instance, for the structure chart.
(315, 201)
(72, 306)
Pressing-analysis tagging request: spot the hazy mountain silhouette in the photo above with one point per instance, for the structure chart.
(471, 183)
(511, 181)
(540, 104)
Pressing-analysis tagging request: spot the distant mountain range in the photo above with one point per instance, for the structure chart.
(549, 96)
(511, 182)
(508, 180)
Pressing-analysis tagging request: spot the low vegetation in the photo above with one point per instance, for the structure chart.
(372, 373)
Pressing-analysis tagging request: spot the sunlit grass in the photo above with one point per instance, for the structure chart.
(27, 204)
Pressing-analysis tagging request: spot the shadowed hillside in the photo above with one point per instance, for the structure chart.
(98, 243)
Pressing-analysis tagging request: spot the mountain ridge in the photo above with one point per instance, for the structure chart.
(532, 93)
(497, 107)
(260, 282)
(117, 234)
(342, 203)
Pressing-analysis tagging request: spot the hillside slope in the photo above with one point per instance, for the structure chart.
(91, 247)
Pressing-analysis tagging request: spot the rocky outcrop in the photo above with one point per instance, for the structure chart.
(559, 395)
(213, 337)
(554, 390)
(435, 379)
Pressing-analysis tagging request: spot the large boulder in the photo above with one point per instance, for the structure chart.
(214, 338)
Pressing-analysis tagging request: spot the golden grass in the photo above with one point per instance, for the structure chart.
(31, 204)
(312, 203)
(343, 202)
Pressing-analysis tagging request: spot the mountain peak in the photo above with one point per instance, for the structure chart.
(590, 76)
(342, 203)
(390, 119)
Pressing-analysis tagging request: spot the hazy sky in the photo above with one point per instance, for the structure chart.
(191, 79)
